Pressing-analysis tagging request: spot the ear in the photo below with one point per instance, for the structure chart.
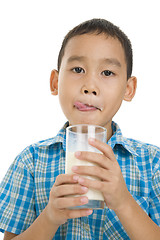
(54, 82)
(130, 89)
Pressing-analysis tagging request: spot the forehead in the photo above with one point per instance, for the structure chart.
(94, 47)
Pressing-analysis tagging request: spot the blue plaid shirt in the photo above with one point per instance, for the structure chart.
(24, 191)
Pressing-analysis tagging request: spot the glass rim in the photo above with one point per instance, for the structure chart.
(86, 125)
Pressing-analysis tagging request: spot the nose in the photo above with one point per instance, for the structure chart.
(86, 89)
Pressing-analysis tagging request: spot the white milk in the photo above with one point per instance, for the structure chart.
(71, 161)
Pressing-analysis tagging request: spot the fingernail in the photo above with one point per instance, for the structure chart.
(75, 178)
(92, 140)
(84, 189)
(84, 199)
(81, 180)
(89, 212)
(74, 168)
(77, 154)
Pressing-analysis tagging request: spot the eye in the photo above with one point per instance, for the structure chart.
(107, 73)
(78, 70)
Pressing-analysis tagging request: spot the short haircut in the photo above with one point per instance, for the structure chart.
(100, 26)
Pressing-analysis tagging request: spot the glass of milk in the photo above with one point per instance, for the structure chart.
(77, 140)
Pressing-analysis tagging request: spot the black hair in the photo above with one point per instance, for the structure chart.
(100, 26)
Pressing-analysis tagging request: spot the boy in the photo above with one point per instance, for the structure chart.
(93, 78)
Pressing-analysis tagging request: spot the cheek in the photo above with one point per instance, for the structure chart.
(65, 94)
(113, 98)
(116, 91)
(64, 105)
(63, 97)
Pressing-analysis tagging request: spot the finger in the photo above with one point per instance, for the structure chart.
(103, 147)
(64, 190)
(65, 178)
(97, 158)
(95, 184)
(94, 171)
(69, 202)
(78, 213)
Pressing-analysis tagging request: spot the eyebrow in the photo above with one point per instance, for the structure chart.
(108, 61)
(111, 61)
(76, 58)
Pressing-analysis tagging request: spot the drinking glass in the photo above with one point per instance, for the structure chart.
(77, 140)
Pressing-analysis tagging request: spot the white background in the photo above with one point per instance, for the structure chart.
(31, 33)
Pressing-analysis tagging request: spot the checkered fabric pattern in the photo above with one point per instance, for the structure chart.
(24, 191)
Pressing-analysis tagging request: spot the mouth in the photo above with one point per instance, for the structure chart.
(86, 107)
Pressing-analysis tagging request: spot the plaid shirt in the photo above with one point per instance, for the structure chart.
(24, 191)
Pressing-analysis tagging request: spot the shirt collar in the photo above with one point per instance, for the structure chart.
(59, 138)
(116, 139)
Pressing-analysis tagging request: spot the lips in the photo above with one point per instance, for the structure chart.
(85, 107)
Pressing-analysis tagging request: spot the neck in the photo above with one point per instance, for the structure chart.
(109, 130)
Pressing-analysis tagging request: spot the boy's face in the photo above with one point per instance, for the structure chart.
(92, 81)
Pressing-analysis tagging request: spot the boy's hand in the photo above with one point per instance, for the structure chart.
(61, 199)
(111, 182)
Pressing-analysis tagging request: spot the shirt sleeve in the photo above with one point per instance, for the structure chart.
(154, 210)
(17, 205)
